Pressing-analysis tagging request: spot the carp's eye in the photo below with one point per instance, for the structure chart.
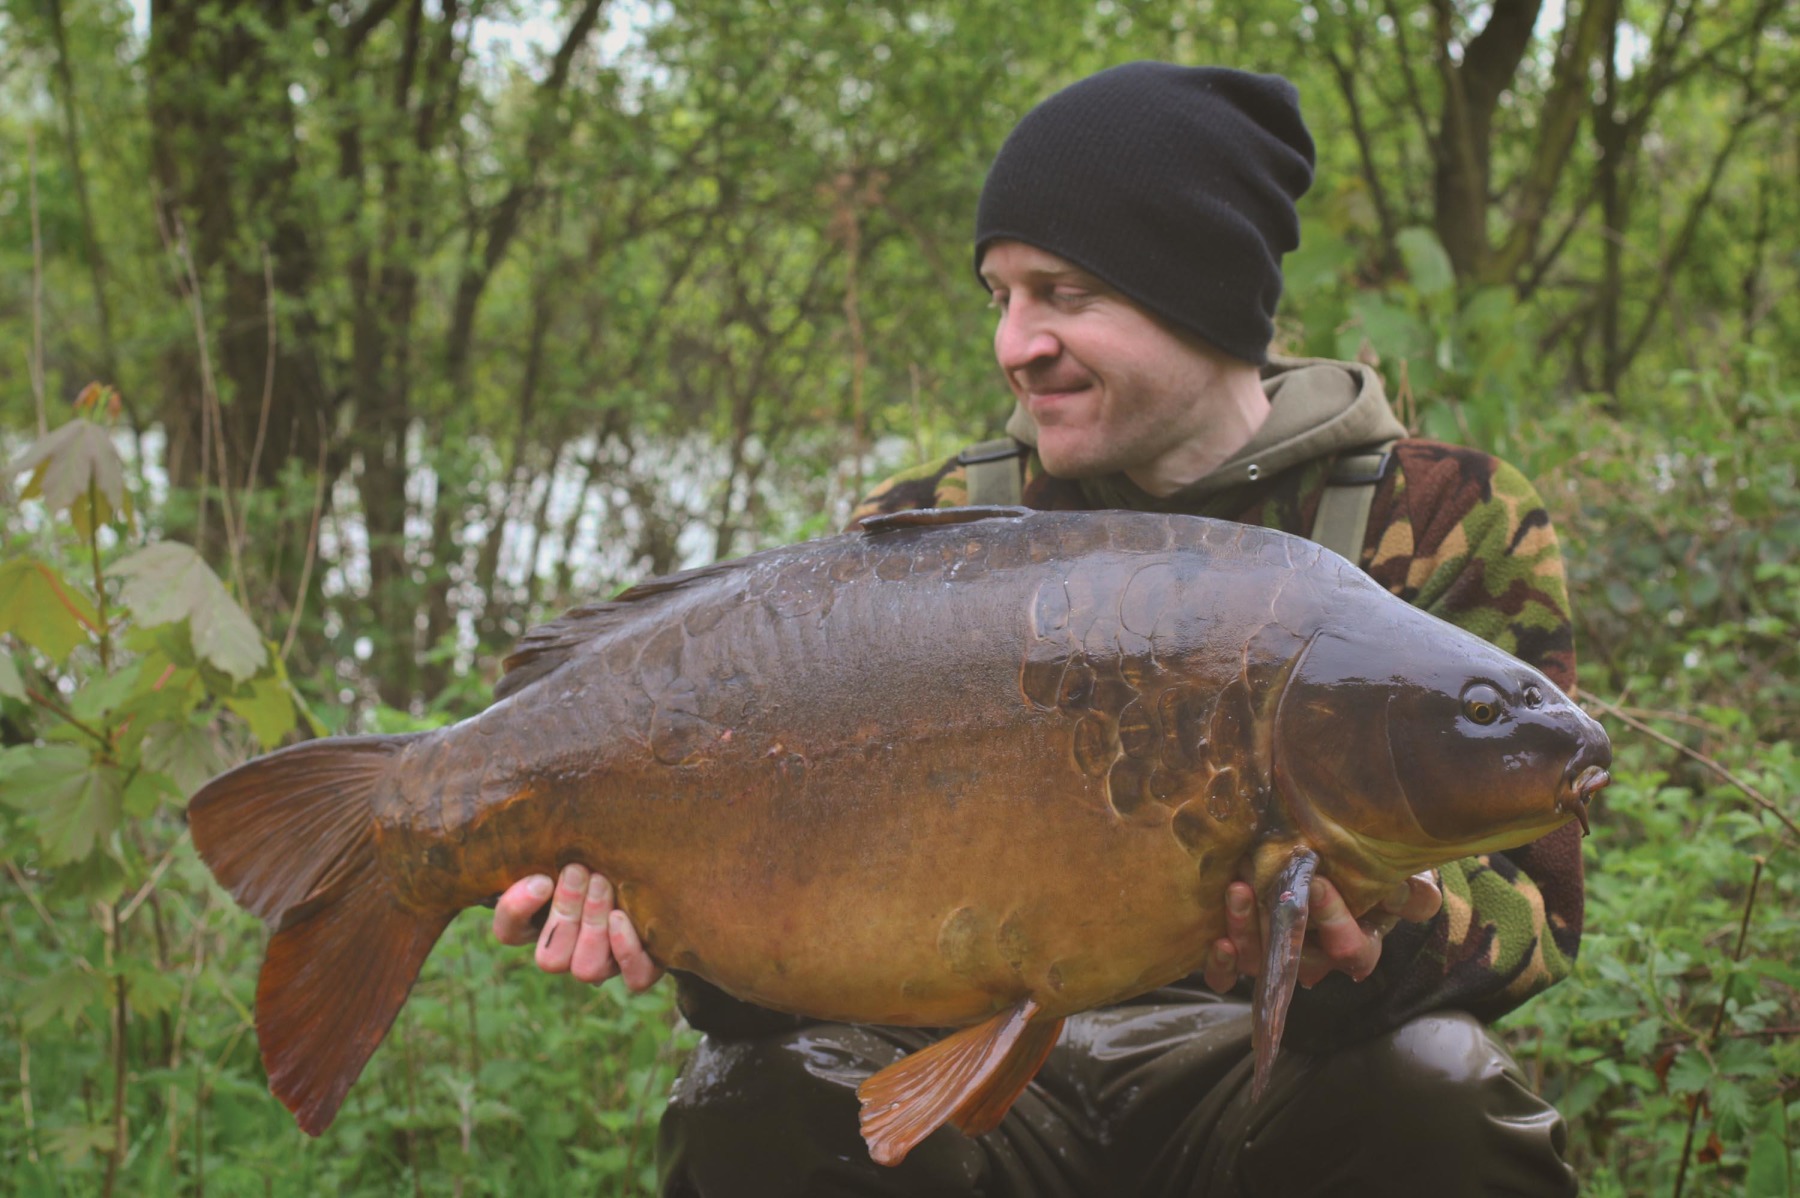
(1534, 697)
(1481, 703)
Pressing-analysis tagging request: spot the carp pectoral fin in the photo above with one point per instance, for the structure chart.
(932, 517)
(1286, 901)
(969, 1079)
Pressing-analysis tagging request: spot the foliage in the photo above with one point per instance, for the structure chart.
(132, 676)
(1684, 552)
(428, 320)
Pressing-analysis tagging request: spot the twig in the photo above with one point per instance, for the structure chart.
(268, 395)
(162, 867)
(68, 717)
(1737, 954)
(31, 897)
(25, 1094)
(1750, 791)
(35, 363)
(312, 550)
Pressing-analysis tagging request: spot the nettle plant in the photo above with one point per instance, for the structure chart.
(118, 660)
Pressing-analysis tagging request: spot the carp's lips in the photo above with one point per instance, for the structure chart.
(1588, 783)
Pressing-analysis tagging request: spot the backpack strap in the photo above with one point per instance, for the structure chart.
(995, 471)
(1342, 520)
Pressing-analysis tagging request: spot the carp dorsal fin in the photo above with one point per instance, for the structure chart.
(931, 517)
(1288, 902)
(542, 649)
(969, 1079)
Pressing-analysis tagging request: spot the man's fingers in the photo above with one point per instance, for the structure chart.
(1417, 899)
(1242, 926)
(635, 966)
(1346, 944)
(556, 944)
(593, 958)
(1221, 966)
(515, 912)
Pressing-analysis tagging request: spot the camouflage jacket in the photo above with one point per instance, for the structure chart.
(1451, 530)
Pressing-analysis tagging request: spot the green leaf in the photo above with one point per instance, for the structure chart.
(1689, 1073)
(146, 791)
(38, 607)
(99, 697)
(150, 991)
(12, 685)
(1770, 1173)
(1426, 262)
(66, 461)
(66, 994)
(75, 801)
(75, 1142)
(267, 708)
(184, 752)
(169, 581)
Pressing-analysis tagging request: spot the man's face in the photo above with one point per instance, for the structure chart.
(1111, 388)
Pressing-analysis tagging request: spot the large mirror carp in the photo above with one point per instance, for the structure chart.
(978, 768)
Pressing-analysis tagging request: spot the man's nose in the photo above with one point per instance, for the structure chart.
(1022, 338)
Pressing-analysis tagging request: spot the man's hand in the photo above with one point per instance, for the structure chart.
(1335, 941)
(584, 934)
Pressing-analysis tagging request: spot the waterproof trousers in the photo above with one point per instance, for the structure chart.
(1149, 1100)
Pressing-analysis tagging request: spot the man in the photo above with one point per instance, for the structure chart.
(1130, 233)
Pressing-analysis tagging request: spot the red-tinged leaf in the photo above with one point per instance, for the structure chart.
(74, 801)
(1714, 1149)
(38, 607)
(1664, 1059)
(169, 581)
(65, 462)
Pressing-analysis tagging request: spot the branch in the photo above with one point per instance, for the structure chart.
(1690, 225)
(503, 221)
(1561, 114)
(1346, 79)
(1491, 59)
(358, 31)
(1755, 796)
(1413, 95)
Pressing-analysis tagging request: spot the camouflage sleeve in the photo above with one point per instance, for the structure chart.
(1466, 537)
(942, 483)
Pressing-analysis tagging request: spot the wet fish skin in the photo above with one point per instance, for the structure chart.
(926, 774)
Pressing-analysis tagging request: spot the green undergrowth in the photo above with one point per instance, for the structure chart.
(129, 674)
(128, 1058)
(1682, 533)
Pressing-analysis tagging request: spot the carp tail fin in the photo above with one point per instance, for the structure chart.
(1288, 901)
(292, 837)
(969, 1079)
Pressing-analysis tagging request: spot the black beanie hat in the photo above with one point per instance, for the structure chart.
(1174, 184)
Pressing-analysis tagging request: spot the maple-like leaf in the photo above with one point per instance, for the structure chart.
(39, 607)
(64, 462)
(75, 801)
(169, 581)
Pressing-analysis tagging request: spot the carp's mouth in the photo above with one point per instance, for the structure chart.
(1585, 785)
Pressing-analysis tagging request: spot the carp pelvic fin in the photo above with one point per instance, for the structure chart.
(291, 835)
(969, 1079)
(933, 517)
(1287, 901)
